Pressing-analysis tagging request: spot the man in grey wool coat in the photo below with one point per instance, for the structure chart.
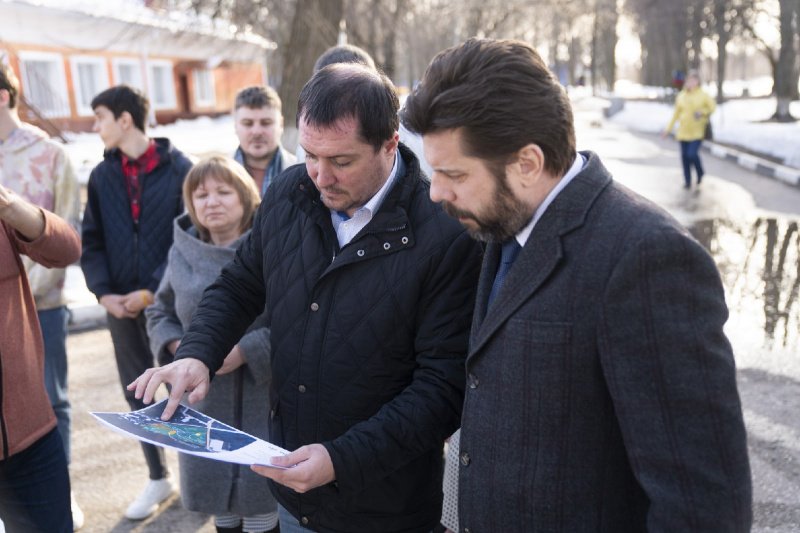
(601, 390)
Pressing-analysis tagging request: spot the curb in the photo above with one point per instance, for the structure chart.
(86, 317)
(765, 167)
(759, 165)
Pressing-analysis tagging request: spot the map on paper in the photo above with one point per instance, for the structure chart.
(192, 432)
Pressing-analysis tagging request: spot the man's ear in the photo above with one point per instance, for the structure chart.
(125, 120)
(392, 143)
(529, 164)
(5, 97)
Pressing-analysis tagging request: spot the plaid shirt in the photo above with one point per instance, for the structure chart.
(133, 170)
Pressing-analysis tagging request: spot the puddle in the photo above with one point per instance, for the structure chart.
(759, 261)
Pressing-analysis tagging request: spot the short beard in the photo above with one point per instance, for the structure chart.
(505, 216)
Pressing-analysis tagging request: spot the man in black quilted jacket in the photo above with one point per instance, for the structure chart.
(369, 288)
(133, 196)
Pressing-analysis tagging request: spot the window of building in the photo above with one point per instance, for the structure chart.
(89, 78)
(204, 95)
(162, 85)
(128, 72)
(44, 84)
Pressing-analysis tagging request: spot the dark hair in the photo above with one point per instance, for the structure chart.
(349, 90)
(344, 53)
(257, 97)
(501, 95)
(9, 82)
(121, 98)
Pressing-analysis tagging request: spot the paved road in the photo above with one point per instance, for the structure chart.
(743, 212)
(108, 470)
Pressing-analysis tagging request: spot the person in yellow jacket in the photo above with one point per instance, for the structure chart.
(693, 107)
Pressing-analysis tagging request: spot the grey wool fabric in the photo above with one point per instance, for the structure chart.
(239, 399)
(601, 389)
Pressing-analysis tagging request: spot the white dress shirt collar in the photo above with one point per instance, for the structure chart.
(347, 228)
(577, 166)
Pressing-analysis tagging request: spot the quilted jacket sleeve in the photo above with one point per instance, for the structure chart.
(93, 259)
(419, 419)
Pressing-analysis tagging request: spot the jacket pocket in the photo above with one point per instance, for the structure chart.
(546, 335)
(535, 363)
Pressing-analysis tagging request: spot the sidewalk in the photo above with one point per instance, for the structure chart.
(84, 311)
(743, 133)
(760, 165)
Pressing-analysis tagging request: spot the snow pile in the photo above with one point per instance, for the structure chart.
(198, 137)
(736, 122)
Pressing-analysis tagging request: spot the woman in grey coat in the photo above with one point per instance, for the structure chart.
(221, 200)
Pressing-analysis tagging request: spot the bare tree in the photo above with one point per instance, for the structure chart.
(375, 25)
(786, 74)
(604, 43)
(315, 28)
(664, 31)
(729, 18)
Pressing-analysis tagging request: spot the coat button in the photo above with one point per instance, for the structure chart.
(304, 520)
(360, 253)
(466, 530)
(404, 240)
(315, 306)
(386, 246)
(465, 459)
(473, 381)
(301, 388)
(272, 413)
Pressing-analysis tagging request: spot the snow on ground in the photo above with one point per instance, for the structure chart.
(736, 122)
(198, 137)
(754, 87)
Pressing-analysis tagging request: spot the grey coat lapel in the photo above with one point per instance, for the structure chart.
(540, 255)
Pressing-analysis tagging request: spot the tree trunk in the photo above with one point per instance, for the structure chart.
(315, 28)
(723, 36)
(390, 42)
(786, 75)
(610, 40)
(594, 51)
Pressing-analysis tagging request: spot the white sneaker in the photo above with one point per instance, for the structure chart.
(156, 491)
(77, 513)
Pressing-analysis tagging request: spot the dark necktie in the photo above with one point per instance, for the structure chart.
(507, 256)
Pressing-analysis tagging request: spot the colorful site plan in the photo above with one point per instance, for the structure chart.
(192, 432)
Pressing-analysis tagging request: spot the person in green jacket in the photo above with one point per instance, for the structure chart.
(693, 107)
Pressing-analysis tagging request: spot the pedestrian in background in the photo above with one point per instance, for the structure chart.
(34, 477)
(601, 389)
(693, 109)
(40, 171)
(134, 194)
(368, 288)
(221, 199)
(258, 122)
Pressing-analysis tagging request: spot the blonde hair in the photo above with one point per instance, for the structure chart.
(229, 172)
